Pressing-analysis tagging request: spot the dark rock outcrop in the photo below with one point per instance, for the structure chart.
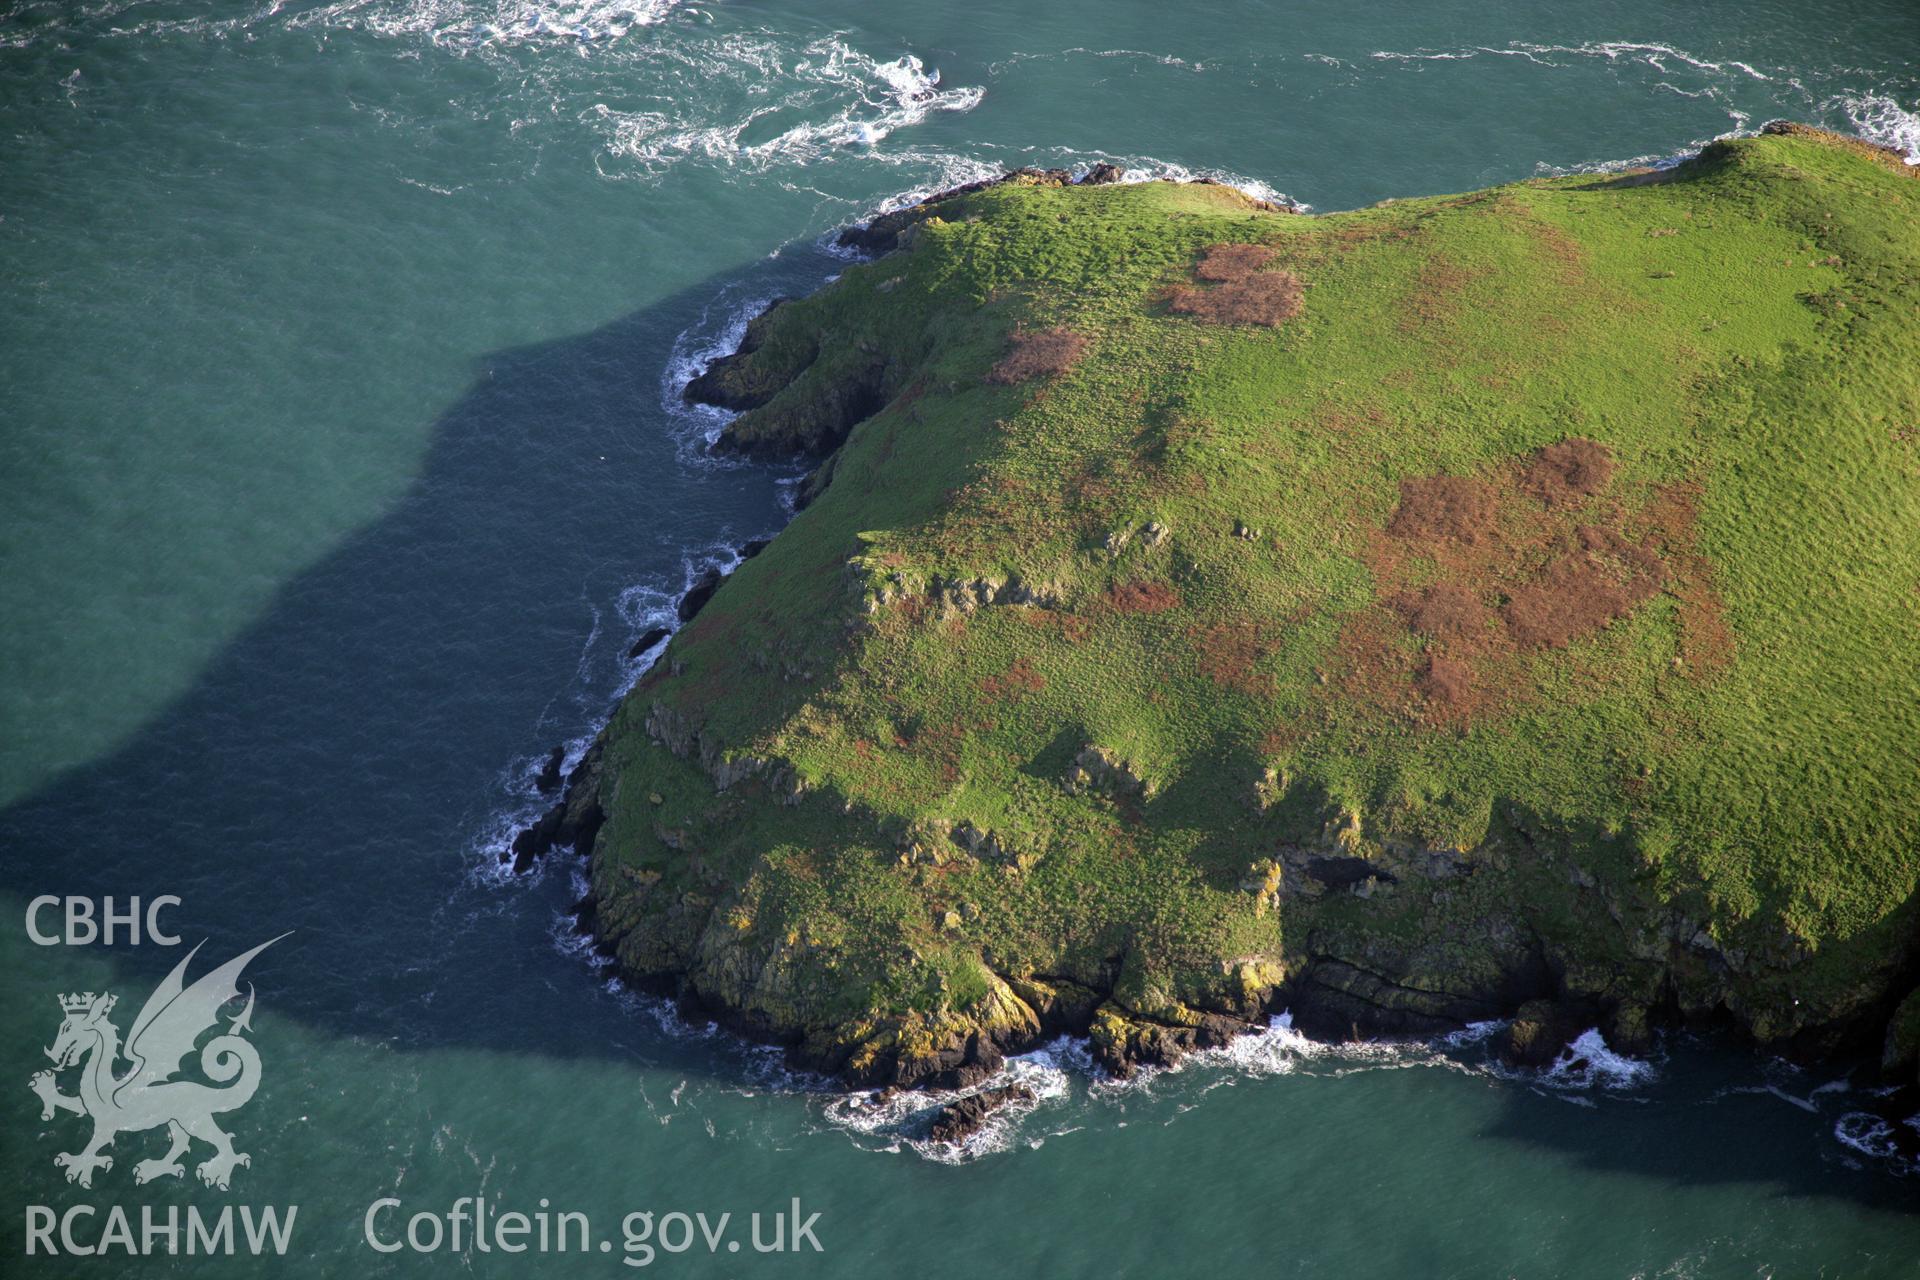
(729, 382)
(881, 234)
(1539, 1033)
(573, 823)
(963, 1117)
(699, 593)
(548, 780)
(651, 637)
(815, 420)
(1335, 999)
(1122, 1043)
(1344, 873)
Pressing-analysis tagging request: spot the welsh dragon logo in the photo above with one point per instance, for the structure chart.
(146, 1096)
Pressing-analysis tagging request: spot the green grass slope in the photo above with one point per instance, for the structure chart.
(1443, 605)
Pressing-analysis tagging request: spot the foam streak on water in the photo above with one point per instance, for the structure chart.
(830, 97)
(1879, 117)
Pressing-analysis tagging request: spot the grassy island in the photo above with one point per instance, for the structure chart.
(1469, 605)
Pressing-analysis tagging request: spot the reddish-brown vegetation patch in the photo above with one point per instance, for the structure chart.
(1038, 353)
(1229, 653)
(1444, 611)
(1269, 298)
(1435, 296)
(1072, 627)
(1018, 679)
(1444, 506)
(1445, 680)
(1599, 581)
(1706, 642)
(1142, 596)
(1372, 663)
(1568, 473)
(1224, 263)
(1560, 561)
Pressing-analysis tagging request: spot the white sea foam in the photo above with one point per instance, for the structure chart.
(1649, 53)
(1651, 160)
(900, 1121)
(463, 25)
(834, 96)
(602, 674)
(642, 608)
(1878, 118)
(718, 331)
(489, 852)
(1866, 1133)
(658, 84)
(1164, 59)
(1132, 55)
(1589, 1063)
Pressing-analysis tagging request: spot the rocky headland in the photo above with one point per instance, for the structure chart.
(1489, 606)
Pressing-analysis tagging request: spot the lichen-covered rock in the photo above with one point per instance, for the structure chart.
(1100, 770)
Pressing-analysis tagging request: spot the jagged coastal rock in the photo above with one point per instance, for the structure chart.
(1476, 606)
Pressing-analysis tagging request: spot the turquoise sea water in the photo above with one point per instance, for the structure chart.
(340, 462)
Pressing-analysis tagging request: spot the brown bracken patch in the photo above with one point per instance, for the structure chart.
(1436, 293)
(1476, 573)
(1444, 611)
(1225, 263)
(1706, 642)
(1228, 654)
(1446, 680)
(1443, 506)
(1268, 298)
(1038, 353)
(1142, 596)
(1568, 473)
(1018, 679)
(1602, 578)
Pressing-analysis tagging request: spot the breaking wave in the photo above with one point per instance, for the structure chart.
(1064, 1070)
(460, 24)
(1878, 118)
(717, 332)
(830, 97)
(611, 661)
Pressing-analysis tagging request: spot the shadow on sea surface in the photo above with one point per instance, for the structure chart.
(334, 770)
